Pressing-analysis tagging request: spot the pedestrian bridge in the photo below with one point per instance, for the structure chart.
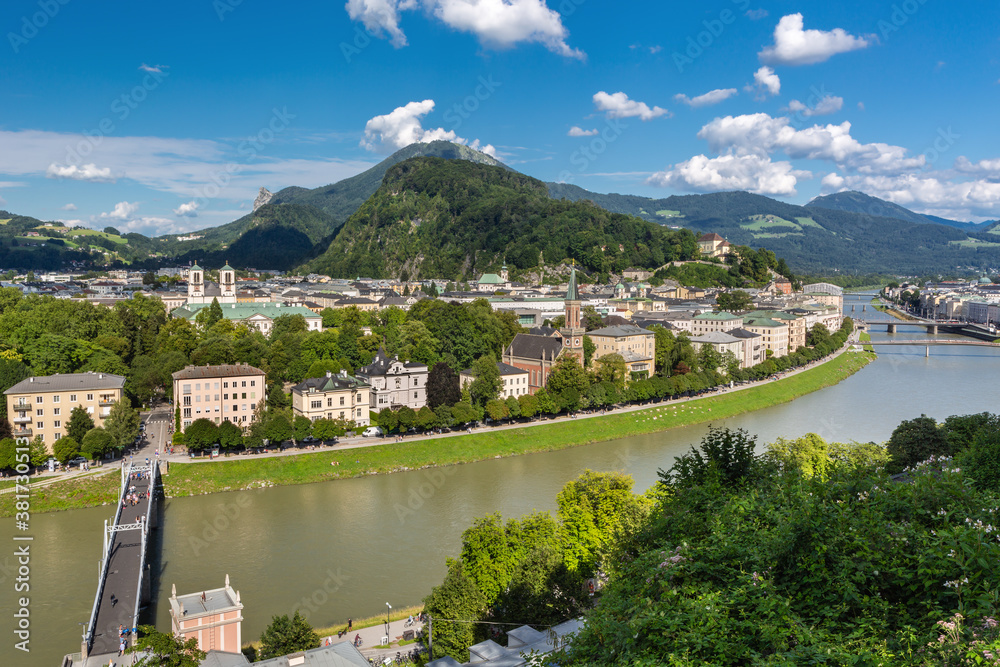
(124, 581)
(928, 343)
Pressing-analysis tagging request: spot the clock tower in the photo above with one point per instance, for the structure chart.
(572, 331)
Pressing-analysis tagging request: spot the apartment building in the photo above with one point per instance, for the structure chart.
(229, 392)
(395, 383)
(774, 334)
(704, 323)
(41, 405)
(635, 345)
(513, 380)
(333, 397)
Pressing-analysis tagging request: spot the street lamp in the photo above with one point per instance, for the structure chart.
(388, 608)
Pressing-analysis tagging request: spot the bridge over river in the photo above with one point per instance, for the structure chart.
(927, 343)
(123, 584)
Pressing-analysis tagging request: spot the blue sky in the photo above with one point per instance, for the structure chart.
(168, 118)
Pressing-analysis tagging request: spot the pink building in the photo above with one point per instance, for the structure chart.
(214, 618)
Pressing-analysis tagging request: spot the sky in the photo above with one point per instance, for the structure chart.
(168, 117)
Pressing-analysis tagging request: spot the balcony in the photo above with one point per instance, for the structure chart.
(23, 432)
(21, 407)
(22, 419)
(106, 401)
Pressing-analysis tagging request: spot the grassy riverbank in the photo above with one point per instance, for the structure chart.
(186, 479)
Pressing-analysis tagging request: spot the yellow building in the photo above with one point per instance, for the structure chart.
(774, 334)
(636, 346)
(333, 397)
(41, 406)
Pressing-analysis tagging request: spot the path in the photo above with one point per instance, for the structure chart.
(373, 635)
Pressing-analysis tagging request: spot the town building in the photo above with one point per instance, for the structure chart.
(394, 383)
(203, 292)
(259, 316)
(713, 245)
(333, 397)
(514, 381)
(213, 618)
(41, 405)
(710, 322)
(773, 333)
(753, 347)
(635, 345)
(229, 392)
(722, 343)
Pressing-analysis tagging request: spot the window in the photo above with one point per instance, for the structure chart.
(216, 396)
(414, 394)
(341, 415)
(253, 394)
(341, 400)
(187, 412)
(244, 383)
(55, 399)
(57, 424)
(225, 397)
(235, 408)
(253, 383)
(72, 398)
(39, 399)
(39, 412)
(39, 425)
(225, 385)
(316, 404)
(56, 411)
(329, 402)
(90, 397)
(197, 387)
(244, 394)
(216, 385)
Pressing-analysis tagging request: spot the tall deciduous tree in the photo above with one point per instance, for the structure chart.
(442, 386)
(79, 423)
(202, 433)
(65, 449)
(96, 443)
(122, 424)
(163, 649)
(287, 635)
(487, 383)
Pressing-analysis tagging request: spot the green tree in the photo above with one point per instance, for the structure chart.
(513, 407)
(230, 435)
(302, 426)
(457, 598)
(487, 383)
(387, 419)
(122, 424)
(12, 371)
(96, 443)
(810, 454)
(733, 301)
(496, 409)
(202, 434)
(207, 317)
(79, 423)
(163, 649)
(611, 368)
(426, 418)
(567, 374)
(407, 418)
(287, 635)
(725, 455)
(529, 405)
(65, 449)
(442, 386)
(278, 429)
(917, 440)
(589, 347)
(326, 429)
(38, 453)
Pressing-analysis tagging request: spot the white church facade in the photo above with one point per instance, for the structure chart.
(200, 292)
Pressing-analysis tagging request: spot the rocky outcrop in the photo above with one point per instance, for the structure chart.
(263, 197)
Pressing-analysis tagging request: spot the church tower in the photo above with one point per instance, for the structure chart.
(572, 330)
(196, 284)
(227, 283)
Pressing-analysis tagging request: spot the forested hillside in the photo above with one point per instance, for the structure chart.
(457, 219)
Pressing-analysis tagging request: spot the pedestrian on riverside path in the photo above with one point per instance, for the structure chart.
(349, 624)
(121, 647)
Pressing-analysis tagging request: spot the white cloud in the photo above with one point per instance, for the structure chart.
(766, 82)
(655, 49)
(88, 172)
(827, 105)
(504, 23)
(795, 46)
(497, 23)
(154, 69)
(402, 127)
(182, 167)
(986, 168)
(708, 99)
(580, 132)
(68, 207)
(381, 16)
(618, 105)
(861, 106)
(731, 172)
(189, 210)
(756, 14)
(123, 211)
(934, 194)
(832, 182)
(761, 134)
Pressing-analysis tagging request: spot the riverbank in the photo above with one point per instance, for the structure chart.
(432, 451)
(881, 306)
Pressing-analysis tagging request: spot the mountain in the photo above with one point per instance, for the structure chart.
(859, 202)
(457, 219)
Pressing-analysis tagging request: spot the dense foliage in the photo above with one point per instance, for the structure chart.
(809, 554)
(457, 219)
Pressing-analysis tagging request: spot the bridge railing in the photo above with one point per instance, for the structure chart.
(105, 560)
(154, 471)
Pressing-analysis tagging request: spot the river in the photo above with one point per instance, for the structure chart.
(345, 548)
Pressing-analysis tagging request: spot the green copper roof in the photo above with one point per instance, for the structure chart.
(572, 293)
(195, 268)
(227, 268)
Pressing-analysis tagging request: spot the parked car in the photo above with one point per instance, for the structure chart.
(76, 461)
(373, 432)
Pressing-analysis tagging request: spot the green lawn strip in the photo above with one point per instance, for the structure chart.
(71, 494)
(191, 479)
(864, 337)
